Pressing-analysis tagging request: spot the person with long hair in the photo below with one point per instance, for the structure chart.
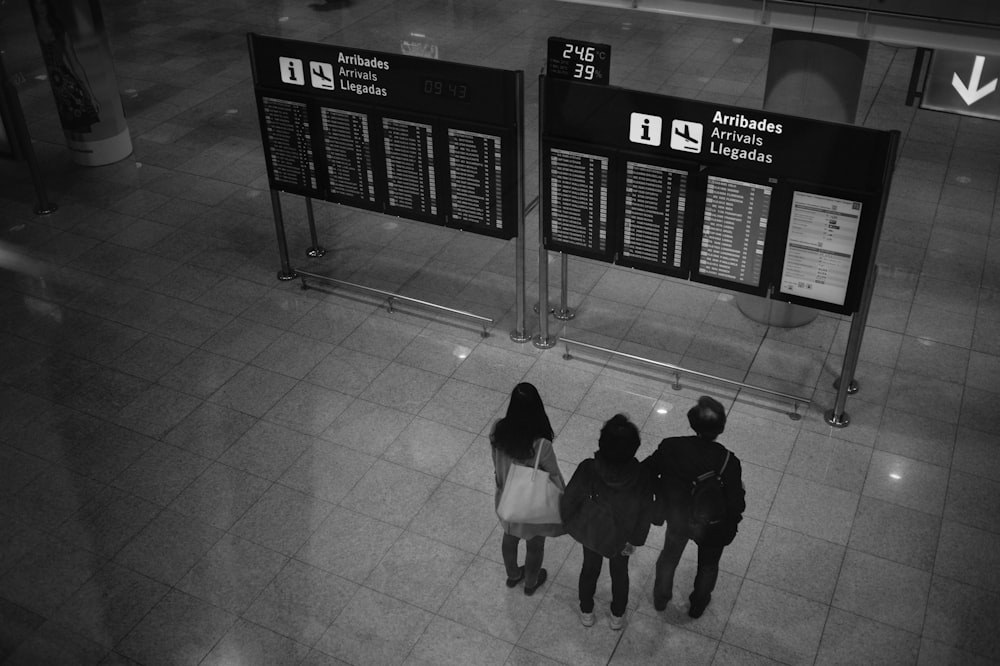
(516, 439)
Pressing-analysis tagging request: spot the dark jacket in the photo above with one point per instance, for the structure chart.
(628, 488)
(677, 461)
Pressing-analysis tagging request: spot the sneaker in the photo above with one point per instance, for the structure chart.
(616, 622)
(586, 619)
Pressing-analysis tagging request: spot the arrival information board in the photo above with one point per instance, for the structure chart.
(288, 132)
(580, 201)
(475, 175)
(655, 204)
(409, 160)
(819, 249)
(734, 230)
(348, 151)
(418, 138)
(748, 200)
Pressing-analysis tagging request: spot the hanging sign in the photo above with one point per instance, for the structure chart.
(963, 83)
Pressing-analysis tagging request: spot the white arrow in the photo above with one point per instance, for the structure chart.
(973, 93)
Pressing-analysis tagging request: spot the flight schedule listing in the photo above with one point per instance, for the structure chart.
(820, 247)
(409, 166)
(347, 144)
(289, 143)
(579, 199)
(734, 230)
(474, 171)
(655, 203)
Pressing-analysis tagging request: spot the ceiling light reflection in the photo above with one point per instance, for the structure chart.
(461, 352)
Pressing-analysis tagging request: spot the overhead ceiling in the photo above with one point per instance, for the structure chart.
(959, 25)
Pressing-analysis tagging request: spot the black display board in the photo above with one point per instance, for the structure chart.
(752, 201)
(413, 137)
(575, 59)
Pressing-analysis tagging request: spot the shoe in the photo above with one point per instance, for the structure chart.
(697, 610)
(530, 589)
(616, 622)
(512, 582)
(586, 619)
(660, 603)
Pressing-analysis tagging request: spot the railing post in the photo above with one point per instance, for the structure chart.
(21, 140)
(837, 417)
(286, 272)
(520, 333)
(315, 250)
(564, 313)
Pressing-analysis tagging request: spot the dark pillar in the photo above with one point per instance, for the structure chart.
(815, 76)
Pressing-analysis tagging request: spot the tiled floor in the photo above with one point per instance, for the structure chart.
(202, 464)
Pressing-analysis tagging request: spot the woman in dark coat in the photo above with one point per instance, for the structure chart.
(516, 439)
(608, 507)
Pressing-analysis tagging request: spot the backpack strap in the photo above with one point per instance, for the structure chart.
(710, 473)
(725, 462)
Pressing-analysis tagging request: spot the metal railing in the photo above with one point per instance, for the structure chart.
(391, 296)
(795, 399)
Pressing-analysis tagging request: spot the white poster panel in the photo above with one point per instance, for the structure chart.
(820, 247)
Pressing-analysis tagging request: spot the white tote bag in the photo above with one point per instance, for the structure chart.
(529, 495)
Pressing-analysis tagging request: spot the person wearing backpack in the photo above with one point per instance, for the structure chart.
(700, 484)
(607, 507)
(523, 434)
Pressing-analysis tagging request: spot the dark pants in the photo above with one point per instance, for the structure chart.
(704, 580)
(591, 571)
(534, 552)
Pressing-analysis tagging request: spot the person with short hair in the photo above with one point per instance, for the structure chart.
(621, 481)
(515, 440)
(676, 464)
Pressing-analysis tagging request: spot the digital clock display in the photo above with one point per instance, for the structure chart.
(458, 90)
(580, 61)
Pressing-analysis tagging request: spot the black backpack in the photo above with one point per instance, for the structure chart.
(594, 524)
(708, 506)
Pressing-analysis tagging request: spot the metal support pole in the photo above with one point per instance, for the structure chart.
(837, 417)
(852, 386)
(315, 250)
(286, 272)
(542, 340)
(564, 313)
(21, 138)
(520, 333)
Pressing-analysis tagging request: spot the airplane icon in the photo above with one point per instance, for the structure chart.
(321, 74)
(686, 136)
(685, 133)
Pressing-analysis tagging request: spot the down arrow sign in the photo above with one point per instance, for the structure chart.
(973, 93)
